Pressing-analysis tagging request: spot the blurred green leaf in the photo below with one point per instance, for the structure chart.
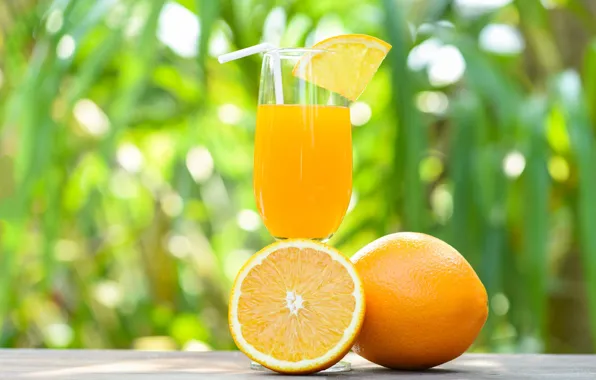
(589, 79)
(209, 12)
(410, 139)
(567, 91)
(536, 212)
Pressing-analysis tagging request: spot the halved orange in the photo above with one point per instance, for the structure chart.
(355, 60)
(296, 307)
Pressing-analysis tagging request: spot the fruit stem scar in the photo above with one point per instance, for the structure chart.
(294, 302)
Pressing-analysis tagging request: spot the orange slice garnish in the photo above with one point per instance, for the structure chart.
(296, 307)
(355, 60)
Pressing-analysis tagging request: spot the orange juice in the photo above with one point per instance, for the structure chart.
(303, 169)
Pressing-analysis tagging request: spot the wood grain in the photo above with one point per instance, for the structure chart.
(92, 365)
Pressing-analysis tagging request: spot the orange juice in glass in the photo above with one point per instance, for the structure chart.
(303, 153)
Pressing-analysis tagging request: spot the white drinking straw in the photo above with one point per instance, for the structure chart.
(277, 85)
(276, 62)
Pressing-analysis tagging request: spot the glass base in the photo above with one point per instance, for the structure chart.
(322, 240)
(341, 366)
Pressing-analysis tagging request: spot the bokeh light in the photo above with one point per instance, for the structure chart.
(199, 163)
(501, 39)
(435, 102)
(54, 21)
(179, 29)
(447, 66)
(558, 168)
(66, 47)
(360, 113)
(91, 117)
(514, 164)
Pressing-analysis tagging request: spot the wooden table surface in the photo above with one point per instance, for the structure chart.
(91, 365)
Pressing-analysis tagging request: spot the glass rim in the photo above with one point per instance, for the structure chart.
(296, 52)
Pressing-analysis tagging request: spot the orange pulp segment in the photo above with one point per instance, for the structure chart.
(296, 307)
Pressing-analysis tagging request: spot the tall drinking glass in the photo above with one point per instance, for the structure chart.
(303, 150)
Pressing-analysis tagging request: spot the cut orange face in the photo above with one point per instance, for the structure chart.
(348, 68)
(296, 307)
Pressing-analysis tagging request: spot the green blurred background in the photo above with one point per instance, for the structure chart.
(126, 203)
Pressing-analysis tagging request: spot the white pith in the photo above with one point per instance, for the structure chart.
(294, 303)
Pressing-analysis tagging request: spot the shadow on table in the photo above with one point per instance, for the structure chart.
(383, 373)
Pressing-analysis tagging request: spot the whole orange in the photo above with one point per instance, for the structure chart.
(425, 305)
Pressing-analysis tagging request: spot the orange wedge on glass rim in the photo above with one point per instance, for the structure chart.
(296, 307)
(354, 60)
